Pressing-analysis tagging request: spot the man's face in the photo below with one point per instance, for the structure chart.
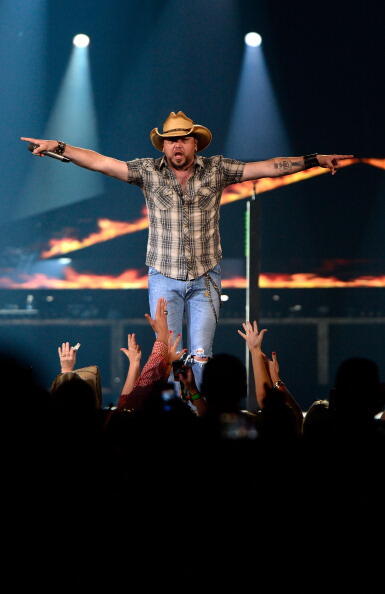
(180, 151)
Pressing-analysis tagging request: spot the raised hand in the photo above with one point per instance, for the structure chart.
(67, 356)
(252, 336)
(133, 351)
(273, 366)
(332, 162)
(159, 323)
(173, 354)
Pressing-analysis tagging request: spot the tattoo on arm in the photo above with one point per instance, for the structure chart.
(286, 164)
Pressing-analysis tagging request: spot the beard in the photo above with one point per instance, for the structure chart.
(178, 161)
(181, 161)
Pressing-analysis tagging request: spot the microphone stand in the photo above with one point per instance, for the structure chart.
(253, 259)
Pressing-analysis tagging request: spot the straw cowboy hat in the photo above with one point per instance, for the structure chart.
(178, 124)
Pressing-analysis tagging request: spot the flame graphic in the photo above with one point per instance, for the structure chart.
(109, 229)
(132, 279)
(235, 282)
(375, 162)
(129, 279)
(266, 184)
(312, 281)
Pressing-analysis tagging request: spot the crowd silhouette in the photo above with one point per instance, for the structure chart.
(195, 458)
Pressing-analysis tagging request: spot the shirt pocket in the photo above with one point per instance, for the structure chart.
(208, 197)
(163, 197)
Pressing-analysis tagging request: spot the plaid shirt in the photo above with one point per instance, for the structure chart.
(183, 239)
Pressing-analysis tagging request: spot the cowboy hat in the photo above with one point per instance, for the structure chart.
(178, 124)
(90, 374)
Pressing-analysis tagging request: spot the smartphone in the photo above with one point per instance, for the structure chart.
(168, 396)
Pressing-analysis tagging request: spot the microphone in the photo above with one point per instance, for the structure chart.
(32, 147)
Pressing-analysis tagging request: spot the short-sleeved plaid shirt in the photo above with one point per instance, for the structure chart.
(183, 239)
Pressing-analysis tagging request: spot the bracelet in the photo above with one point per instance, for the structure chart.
(61, 147)
(310, 161)
(278, 384)
(188, 396)
(195, 396)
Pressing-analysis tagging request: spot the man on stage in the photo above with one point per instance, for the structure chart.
(183, 192)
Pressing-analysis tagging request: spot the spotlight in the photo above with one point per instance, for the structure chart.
(253, 39)
(81, 40)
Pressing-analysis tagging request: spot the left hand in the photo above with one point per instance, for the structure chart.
(252, 336)
(273, 367)
(133, 351)
(332, 162)
(67, 356)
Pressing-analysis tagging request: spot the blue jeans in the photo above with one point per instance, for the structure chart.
(189, 298)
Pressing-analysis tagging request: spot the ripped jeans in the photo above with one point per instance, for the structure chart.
(189, 298)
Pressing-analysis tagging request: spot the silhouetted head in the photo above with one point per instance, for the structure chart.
(25, 405)
(76, 395)
(357, 388)
(19, 385)
(224, 382)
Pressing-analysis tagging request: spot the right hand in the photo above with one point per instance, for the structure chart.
(44, 145)
(159, 323)
(67, 356)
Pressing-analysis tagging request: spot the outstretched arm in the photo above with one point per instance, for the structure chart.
(285, 165)
(291, 402)
(83, 158)
(133, 354)
(262, 378)
(159, 323)
(157, 364)
(191, 392)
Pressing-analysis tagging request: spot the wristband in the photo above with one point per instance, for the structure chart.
(195, 396)
(310, 161)
(61, 147)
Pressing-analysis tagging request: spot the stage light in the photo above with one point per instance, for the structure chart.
(73, 117)
(81, 40)
(253, 39)
(256, 128)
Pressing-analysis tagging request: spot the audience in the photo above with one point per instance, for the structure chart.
(196, 447)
